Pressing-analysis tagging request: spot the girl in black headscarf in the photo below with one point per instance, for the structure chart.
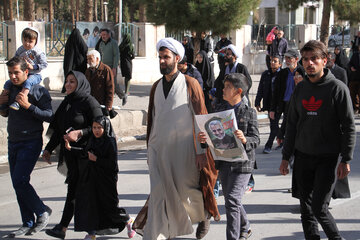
(127, 54)
(72, 123)
(96, 196)
(207, 73)
(341, 59)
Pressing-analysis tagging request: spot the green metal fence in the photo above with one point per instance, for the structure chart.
(56, 35)
(3, 40)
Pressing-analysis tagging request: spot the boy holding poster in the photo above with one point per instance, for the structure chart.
(234, 176)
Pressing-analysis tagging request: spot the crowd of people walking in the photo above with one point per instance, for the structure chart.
(315, 91)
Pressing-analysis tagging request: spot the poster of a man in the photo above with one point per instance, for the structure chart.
(221, 140)
(219, 128)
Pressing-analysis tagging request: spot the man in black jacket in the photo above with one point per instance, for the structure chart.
(24, 143)
(337, 71)
(264, 93)
(354, 85)
(279, 45)
(320, 128)
(284, 85)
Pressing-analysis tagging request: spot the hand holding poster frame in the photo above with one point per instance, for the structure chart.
(219, 128)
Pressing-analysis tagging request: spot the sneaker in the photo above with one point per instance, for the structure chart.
(202, 229)
(42, 221)
(131, 233)
(15, 106)
(20, 232)
(90, 237)
(56, 232)
(267, 150)
(245, 235)
(249, 189)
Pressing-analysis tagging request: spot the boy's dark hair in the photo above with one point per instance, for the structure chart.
(17, 61)
(238, 80)
(28, 33)
(184, 60)
(317, 47)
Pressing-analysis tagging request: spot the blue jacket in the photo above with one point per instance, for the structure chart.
(193, 72)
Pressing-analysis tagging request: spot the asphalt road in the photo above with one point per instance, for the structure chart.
(273, 213)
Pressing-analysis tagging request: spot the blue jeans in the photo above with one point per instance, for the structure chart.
(22, 158)
(32, 80)
(234, 186)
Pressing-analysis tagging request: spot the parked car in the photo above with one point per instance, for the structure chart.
(336, 39)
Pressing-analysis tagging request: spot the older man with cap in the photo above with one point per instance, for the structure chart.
(233, 66)
(284, 87)
(182, 173)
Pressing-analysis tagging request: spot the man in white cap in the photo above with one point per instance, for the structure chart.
(182, 173)
(233, 66)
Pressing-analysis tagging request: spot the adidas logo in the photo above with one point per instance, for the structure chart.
(312, 105)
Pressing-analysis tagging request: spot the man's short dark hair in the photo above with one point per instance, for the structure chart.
(278, 57)
(238, 80)
(315, 46)
(105, 30)
(184, 60)
(17, 61)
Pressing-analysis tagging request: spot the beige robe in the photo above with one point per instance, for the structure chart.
(180, 193)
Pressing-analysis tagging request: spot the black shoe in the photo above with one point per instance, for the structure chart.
(56, 232)
(202, 229)
(20, 232)
(42, 221)
(124, 101)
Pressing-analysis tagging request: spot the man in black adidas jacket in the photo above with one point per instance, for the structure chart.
(320, 127)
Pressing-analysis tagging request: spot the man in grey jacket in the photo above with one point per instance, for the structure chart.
(24, 145)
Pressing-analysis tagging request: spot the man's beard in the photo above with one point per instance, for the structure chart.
(168, 69)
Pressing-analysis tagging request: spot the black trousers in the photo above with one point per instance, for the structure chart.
(274, 128)
(315, 178)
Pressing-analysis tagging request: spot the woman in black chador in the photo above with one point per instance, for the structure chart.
(97, 200)
(207, 73)
(127, 54)
(72, 122)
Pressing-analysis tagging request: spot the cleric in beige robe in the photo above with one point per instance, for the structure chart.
(182, 174)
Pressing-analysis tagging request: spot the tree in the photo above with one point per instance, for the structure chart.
(352, 10)
(29, 10)
(88, 10)
(220, 16)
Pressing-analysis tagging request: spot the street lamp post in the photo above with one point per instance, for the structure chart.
(106, 11)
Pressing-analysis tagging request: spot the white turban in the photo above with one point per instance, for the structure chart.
(173, 45)
(233, 49)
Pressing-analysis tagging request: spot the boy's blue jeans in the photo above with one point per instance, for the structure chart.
(32, 80)
(234, 186)
(22, 159)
